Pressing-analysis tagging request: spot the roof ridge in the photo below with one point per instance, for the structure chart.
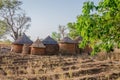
(38, 43)
(67, 40)
(24, 39)
(49, 40)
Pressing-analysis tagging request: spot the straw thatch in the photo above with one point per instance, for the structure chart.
(49, 40)
(38, 44)
(67, 40)
(23, 40)
(18, 44)
(67, 46)
(38, 47)
(78, 39)
(52, 46)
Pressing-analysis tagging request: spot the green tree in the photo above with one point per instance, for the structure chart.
(1, 4)
(3, 29)
(99, 25)
(72, 30)
(56, 36)
(14, 17)
(2, 24)
(60, 34)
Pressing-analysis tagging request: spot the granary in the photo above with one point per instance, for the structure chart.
(87, 49)
(52, 46)
(78, 39)
(77, 42)
(67, 46)
(38, 47)
(17, 45)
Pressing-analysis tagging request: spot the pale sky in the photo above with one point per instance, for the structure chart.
(47, 15)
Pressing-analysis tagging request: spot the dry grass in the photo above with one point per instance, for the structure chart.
(108, 56)
(81, 67)
(32, 67)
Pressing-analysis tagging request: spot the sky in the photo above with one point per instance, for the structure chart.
(47, 15)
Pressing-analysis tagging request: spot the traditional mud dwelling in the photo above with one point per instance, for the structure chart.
(17, 46)
(67, 46)
(38, 47)
(52, 46)
(87, 49)
(77, 42)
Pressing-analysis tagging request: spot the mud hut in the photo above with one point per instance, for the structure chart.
(38, 47)
(67, 46)
(78, 39)
(52, 46)
(17, 45)
(77, 42)
(87, 48)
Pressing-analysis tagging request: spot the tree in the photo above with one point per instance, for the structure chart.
(60, 34)
(72, 30)
(14, 17)
(3, 29)
(1, 4)
(2, 24)
(56, 36)
(62, 31)
(99, 25)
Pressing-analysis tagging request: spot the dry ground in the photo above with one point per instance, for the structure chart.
(33, 67)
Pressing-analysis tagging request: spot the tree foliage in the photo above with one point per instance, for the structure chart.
(2, 25)
(72, 30)
(99, 25)
(14, 17)
(56, 36)
(3, 29)
(60, 34)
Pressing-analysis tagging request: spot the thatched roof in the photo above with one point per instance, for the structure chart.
(23, 40)
(38, 44)
(78, 39)
(67, 40)
(49, 40)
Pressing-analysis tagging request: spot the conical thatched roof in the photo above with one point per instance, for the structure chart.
(23, 40)
(67, 40)
(78, 39)
(49, 40)
(38, 44)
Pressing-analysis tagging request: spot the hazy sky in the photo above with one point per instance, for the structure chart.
(47, 15)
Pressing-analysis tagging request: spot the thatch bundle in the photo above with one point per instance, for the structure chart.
(52, 46)
(38, 47)
(17, 46)
(67, 46)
